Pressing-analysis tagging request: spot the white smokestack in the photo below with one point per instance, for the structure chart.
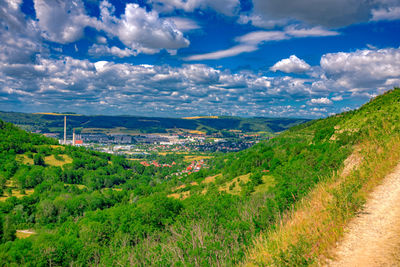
(73, 137)
(65, 130)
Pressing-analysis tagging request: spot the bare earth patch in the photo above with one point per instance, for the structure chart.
(373, 237)
(24, 233)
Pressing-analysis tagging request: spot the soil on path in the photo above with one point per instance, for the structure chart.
(373, 237)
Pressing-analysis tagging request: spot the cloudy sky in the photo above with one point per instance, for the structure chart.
(172, 58)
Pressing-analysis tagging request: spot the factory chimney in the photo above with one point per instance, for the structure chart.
(73, 137)
(65, 130)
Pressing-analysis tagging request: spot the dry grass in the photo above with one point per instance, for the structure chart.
(24, 159)
(17, 193)
(196, 132)
(307, 233)
(52, 161)
(182, 195)
(210, 179)
(236, 184)
(178, 187)
(195, 158)
(56, 114)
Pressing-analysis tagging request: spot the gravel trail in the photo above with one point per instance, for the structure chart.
(373, 237)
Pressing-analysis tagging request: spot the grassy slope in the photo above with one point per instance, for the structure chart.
(305, 234)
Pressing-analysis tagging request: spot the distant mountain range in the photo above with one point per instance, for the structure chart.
(54, 122)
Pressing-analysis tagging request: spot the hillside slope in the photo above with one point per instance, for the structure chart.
(104, 210)
(307, 233)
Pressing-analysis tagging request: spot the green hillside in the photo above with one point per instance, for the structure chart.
(131, 124)
(88, 208)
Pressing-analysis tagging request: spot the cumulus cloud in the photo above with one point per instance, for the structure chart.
(292, 64)
(337, 98)
(107, 87)
(62, 21)
(102, 50)
(140, 30)
(363, 69)
(19, 39)
(320, 101)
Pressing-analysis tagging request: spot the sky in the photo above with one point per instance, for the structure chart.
(176, 58)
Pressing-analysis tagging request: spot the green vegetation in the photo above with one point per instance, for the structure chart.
(80, 220)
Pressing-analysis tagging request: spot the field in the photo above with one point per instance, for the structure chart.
(190, 158)
(200, 117)
(24, 159)
(56, 114)
(52, 161)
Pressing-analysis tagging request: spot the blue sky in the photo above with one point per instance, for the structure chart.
(173, 58)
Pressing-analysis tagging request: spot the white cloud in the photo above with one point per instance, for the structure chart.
(62, 21)
(250, 42)
(68, 83)
(247, 43)
(292, 64)
(337, 98)
(102, 50)
(101, 40)
(320, 101)
(233, 51)
(258, 37)
(19, 38)
(142, 31)
(184, 24)
(363, 69)
(389, 13)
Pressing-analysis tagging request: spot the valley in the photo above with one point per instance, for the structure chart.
(69, 204)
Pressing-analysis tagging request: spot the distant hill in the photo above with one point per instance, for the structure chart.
(52, 122)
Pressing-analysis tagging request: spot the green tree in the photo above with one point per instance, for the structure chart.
(38, 159)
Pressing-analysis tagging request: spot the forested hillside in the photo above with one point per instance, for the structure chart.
(89, 208)
(133, 124)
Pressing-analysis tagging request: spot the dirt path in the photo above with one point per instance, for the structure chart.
(373, 237)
